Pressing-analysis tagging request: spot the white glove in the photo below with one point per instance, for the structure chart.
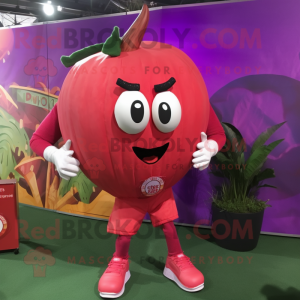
(66, 165)
(207, 149)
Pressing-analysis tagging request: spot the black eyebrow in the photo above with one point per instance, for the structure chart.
(128, 86)
(162, 87)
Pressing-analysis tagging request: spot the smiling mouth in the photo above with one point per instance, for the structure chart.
(150, 156)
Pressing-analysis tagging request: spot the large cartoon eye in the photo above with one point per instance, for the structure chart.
(166, 111)
(132, 112)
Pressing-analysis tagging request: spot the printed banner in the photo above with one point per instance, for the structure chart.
(250, 64)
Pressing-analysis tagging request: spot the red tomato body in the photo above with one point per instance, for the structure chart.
(86, 116)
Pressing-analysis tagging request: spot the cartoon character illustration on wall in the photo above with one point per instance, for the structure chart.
(40, 68)
(124, 103)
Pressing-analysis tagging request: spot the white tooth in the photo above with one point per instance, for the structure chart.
(3, 60)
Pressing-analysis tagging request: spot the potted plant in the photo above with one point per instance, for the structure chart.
(237, 213)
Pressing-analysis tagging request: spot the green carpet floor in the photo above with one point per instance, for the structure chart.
(271, 271)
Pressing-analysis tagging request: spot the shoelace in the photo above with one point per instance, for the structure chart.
(115, 266)
(183, 262)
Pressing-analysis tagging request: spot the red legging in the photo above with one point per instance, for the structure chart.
(174, 248)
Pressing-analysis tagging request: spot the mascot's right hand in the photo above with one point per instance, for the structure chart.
(66, 165)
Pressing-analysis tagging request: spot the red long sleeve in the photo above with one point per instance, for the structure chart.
(215, 130)
(47, 134)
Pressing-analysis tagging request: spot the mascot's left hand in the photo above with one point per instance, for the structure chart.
(207, 149)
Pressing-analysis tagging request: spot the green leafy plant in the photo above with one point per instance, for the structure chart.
(83, 185)
(243, 177)
(12, 139)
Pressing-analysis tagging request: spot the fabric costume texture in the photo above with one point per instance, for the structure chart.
(129, 211)
(145, 189)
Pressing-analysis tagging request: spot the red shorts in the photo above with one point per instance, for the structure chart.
(128, 213)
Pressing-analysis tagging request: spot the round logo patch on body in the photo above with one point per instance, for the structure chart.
(3, 225)
(152, 186)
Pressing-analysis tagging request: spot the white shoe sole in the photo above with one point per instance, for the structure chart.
(114, 295)
(169, 274)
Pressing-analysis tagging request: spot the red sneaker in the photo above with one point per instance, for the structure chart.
(180, 269)
(112, 282)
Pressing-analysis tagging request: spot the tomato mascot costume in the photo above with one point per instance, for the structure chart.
(138, 116)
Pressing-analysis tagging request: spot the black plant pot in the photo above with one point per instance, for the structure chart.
(236, 231)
